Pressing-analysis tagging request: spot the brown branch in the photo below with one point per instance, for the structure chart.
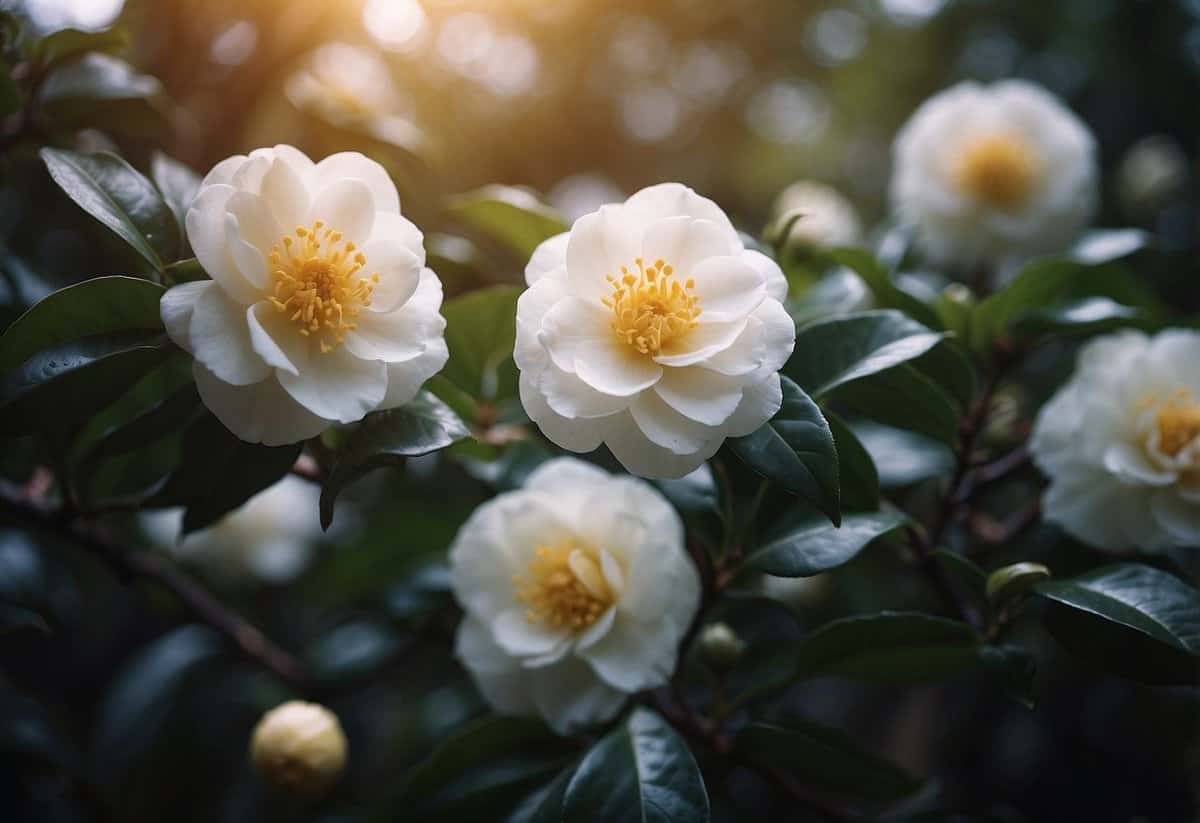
(133, 562)
(995, 532)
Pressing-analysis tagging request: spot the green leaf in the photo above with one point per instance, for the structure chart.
(901, 457)
(512, 217)
(178, 185)
(67, 384)
(155, 423)
(28, 733)
(99, 91)
(1007, 582)
(67, 44)
(385, 438)
(97, 306)
(824, 757)
(120, 197)
(15, 618)
(838, 351)
(972, 578)
(10, 93)
(1084, 316)
(809, 545)
(640, 771)
(906, 399)
(481, 768)
(481, 328)
(887, 293)
(1105, 245)
(795, 450)
(218, 472)
(1129, 618)
(859, 481)
(545, 804)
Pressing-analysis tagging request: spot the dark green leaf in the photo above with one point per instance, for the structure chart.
(809, 545)
(10, 94)
(509, 470)
(120, 197)
(15, 618)
(178, 185)
(838, 351)
(385, 438)
(353, 651)
(69, 383)
(421, 590)
(1084, 316)
(481, 328)
(99, 91)
(512, 217)
(906, 399)
(97, 306)
(893, 646)
(23, 576)
(544, 805)
(28, 732)
(640, 771)
(903, 457)
(795, 450)
(858, 478)
(159, 421)
(1133, 619)
(887, 293)
(218, 472)
(67, 44)
(972, 578)
(824, 757)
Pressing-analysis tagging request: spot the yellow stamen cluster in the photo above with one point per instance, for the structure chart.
(650, 307)
(318, 285)
(999, 169)
(1178, 422)
(565, 587)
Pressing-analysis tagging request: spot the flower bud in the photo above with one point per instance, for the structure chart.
(720, 647)
(299, 747)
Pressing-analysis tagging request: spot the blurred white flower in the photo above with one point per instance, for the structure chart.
(1154, 169)
(320, 308)
(345, 83)
(270, 538)
(1121, 443)
(650, 327)
(825, 218)
(577, 591)
(989, 174)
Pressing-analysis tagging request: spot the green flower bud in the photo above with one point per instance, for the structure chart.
(720, 647)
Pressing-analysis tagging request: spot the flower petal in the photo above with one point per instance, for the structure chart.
(206, 232)
(338, 386)
(676, 199)
(550, 256)
(259, 412)
(569, 396)
(760, 402)
(633, 656)
(175, 308)
(728, 287)
(345, 206)
(355, 166)
(284, 193)
(381, 337)
(395, 229)
(600, 244)
(276, 339)
(684, 242)
(569, 696)
(220, 338)
(399, 273)
(705, 341)
(668, 428)
(699, 394)
(499, 678)
(521, 637)
(575, 435)
(772, 276)
(572, 329)
(640, 456)
(616, 369)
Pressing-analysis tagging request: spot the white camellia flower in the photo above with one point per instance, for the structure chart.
(651, 328)
(577, 591)
(320, 308)
(989, 174)
(270, 538)
(825, 217)
(1121, 443)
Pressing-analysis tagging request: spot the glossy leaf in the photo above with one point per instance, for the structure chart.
(120, 197)
(386, 438)
(100, 91)
(28, 734)
(515, 218)
(178, 185)
(160, 420)
(903, 457)
(97, 306)
(905, 398)
(67, 44)
(481, 329)
(824, 757)
(640, 771)
(1133, 619)
(838, 351)
(795, 450)
(812, 545)
(879, 281)
(859, 481)
(218, 473)
(1084, 316)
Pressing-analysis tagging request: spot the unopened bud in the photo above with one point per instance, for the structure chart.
(720, 647)
(299, 747)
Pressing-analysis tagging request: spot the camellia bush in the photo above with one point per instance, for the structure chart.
(692, 520)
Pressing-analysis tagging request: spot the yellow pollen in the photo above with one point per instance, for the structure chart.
(650, 307)
(999, 169)
(1178, 422)
(318, 283)
(564, 588)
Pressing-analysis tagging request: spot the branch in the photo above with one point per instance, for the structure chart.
(133, 562)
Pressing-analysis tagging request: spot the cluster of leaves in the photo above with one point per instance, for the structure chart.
(883, 445)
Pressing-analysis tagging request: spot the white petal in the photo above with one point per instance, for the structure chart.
(548, 257)
(772, 275)
(1177, 517)
(684, 243)
(640, 456)
(576, 435)
(175, 308)
(1130, 465)
(569, 696)
(250, 262)
(612, 572)
(668, 428)
(222, 173)
(285, 194)
(392, 228)
(532, 306)
(569, 396)
(778, 337)
(698, 345)
(699, 394)
(520, 637)
(337, 385)
(248, 177)
(385, 337)
(674, 200)
(760, 402)
(220, 339)
(596, 632)
(571, 482)
(356, 166)
(600, 244)
(572, 329)
(633, 656)
(206, 232)
(399, 273)
(729, 288)
(258, 413)
(345, 206)
(613, 368)
(276, 339)
(499, 678)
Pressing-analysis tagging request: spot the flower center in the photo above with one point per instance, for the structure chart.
(1178, 422)
(650, 307)
(998, 169)
(318, 285)
(564, 588)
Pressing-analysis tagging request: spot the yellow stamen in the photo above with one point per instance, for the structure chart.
(318, 283)
(1178, 422)
(1000, 169)
(565, 587)
(650, 307)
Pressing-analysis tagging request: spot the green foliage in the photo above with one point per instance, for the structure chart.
(510, 217)
(809, 545)
(480, 331)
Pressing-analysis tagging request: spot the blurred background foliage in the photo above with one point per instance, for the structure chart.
(141, 715)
